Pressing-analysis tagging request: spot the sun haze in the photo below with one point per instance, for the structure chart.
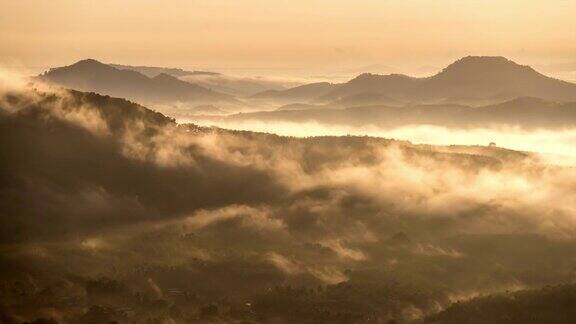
(280, 34)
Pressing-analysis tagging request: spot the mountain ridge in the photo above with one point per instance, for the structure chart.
(151, 71)
(525, 112)
(471, 79)
(94, 76)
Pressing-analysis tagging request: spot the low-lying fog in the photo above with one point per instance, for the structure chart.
(555, 146)
(113, 212)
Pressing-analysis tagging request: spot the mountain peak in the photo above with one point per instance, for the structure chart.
(484, 59)
(83, 66)
(88, 62)
(483, 65)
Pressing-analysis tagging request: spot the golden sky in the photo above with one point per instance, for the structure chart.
(285, 34)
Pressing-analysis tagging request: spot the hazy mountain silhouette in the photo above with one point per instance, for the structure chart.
(91, 75)
(152, 71)
(524, 112)
(305, 92)
(231, 85)
(393, 85)
(241, 86)
(358, 100)
(471, 80)
(300, 106)
(495, 77)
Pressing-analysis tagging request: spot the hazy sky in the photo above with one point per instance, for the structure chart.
(286, 34)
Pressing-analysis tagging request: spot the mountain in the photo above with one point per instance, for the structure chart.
(240, 86)
(495, 77)
(472, 77)
(523, 112)
(472, 80)
(91, 75)
(305, 92)
(392, 85)
(152, 71)
(230, 85)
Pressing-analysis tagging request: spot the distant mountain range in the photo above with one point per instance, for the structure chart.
(239, 86)
(139, 83)
(152, 71)
(473, 80)
(300, 93)
(94, 76)
(524, 112)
